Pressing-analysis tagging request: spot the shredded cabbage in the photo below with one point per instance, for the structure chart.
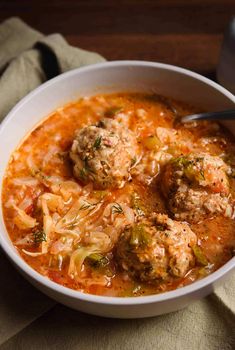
(77, 260)
(23, 220)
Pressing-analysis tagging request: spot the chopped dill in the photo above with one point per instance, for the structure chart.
(202, 174)
(39, 237)
(133, 161)
(87, 205)
(97, 143)
(117, 209)
(86, 169)
(160, 227)
(83, 173)
(181, 161)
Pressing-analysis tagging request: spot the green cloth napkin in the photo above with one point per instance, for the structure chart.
(28, 59)
(30, 320)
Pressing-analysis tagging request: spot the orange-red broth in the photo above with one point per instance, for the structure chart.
(216, 235)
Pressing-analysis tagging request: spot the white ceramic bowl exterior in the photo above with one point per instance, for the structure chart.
(120, 76)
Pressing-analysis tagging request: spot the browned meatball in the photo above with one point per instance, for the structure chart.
(103, 154)
(156, 248)
(195, 186)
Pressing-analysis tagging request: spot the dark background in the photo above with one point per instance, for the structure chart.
(187, 33)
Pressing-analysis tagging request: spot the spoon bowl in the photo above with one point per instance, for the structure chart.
(215, 116)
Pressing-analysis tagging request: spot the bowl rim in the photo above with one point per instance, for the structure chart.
(32, 274)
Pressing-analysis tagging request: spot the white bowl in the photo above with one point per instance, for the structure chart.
(102, 78)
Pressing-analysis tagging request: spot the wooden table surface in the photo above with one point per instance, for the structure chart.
(187, 33)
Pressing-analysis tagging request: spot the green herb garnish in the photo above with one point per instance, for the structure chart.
(200, 256)
(139, 236)
(117, 209)
(188, 167)
(39, 237)
(202, 175)
(133, 161)
(181, 161)
(160, 227)
(86, 170)
(97, 260)
(87, 205)
(97, 143)
(83, 173)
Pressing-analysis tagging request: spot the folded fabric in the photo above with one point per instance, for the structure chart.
(27, 59)
(30, 320)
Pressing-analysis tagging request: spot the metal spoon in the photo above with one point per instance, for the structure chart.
(223, 115)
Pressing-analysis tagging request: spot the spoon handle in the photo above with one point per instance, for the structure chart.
(223, 115)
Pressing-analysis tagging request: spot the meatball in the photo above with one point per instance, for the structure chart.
(103, 154)
(156, 249)
(196, 186)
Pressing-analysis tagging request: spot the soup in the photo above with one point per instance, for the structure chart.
(112, 195)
